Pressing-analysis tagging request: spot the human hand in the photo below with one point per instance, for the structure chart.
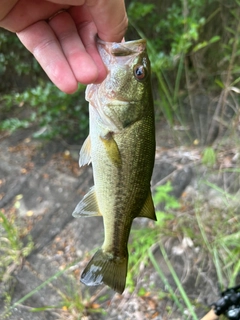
(61, 34)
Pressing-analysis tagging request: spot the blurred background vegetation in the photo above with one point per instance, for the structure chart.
(194, 49)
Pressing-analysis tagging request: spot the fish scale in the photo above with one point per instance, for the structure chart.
(121, 147)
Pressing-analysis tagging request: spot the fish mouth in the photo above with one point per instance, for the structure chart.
(124, 48)
(126, 43)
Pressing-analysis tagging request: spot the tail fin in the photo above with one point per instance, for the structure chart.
(107, 269)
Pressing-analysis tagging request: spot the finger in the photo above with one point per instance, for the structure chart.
(69, 2)
(210, 316)
(5, 7)
(83, 66)
(88, 34)
(42, 42)
(110, 18)
(26, 12)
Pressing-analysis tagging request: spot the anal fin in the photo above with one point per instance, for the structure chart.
(88, 206)
(148, 210)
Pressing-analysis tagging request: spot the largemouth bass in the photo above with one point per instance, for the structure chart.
(121, 147)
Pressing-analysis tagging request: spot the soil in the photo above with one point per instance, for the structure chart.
(40, 185)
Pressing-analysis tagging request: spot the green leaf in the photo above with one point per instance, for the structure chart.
(209, 157)
(219, 83)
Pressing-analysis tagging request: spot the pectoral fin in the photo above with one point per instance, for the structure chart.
(112, 150)
(85, 153)
(88, 206)
(148, 210)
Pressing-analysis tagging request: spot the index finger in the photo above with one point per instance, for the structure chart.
(110, 18)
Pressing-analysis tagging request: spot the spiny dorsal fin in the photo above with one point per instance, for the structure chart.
(148, 210)
(85, 153)
(88, 206)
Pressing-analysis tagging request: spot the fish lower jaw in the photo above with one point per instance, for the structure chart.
(115, 103)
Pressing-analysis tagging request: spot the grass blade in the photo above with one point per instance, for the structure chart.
(178, 283)
(165, 281)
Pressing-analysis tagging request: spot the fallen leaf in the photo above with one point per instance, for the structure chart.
(155, 314)
(29, 213)
(196, 142)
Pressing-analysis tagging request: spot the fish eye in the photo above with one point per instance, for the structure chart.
(140, 72)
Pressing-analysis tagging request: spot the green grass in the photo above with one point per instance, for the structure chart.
(214, 231)
(181, 300)
(11, 248)
(72, 304)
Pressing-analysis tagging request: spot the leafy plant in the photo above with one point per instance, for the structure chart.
(11, 248)
(209, 156)
(188, 59)
(174, 32)
(163, 195)
(28, 99)
(13, 124)
(16, 63)
(58, 114)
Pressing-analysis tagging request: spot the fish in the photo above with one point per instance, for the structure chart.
(121, 148)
